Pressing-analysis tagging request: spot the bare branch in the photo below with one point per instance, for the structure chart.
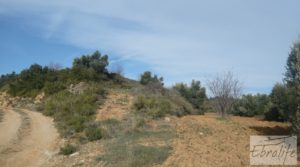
(225, 89)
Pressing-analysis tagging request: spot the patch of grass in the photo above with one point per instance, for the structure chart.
(134, 143)
(227, 120)
(68, 149)
(147, 155)
(224, 119)
(112, 127)
(121, 154)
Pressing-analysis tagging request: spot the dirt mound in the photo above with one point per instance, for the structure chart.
(209, 141)
(6, 100)
(39, 98)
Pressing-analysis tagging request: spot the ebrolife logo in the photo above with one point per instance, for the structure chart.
(273, 150)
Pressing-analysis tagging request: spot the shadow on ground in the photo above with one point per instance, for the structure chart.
(276, 130)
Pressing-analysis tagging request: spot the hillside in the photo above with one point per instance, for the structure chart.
(86, 115)
(89, 106)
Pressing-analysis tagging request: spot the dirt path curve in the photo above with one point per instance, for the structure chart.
(9, 128)
(36, 140)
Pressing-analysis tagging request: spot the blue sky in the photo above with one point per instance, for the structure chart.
(179, 40)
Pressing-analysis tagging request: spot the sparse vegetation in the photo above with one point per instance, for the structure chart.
(68, 149)
(132, 145)
(123, 155)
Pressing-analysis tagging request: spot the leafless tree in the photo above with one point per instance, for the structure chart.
(225, 89)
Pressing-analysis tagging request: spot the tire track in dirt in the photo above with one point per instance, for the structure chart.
(35, 142)
(9, 128)
(22, 132)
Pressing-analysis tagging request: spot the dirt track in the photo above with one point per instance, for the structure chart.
(27, 139)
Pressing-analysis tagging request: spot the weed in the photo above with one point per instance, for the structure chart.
(94, 133)
(68, 149)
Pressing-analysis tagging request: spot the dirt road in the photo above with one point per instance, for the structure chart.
(26, 138)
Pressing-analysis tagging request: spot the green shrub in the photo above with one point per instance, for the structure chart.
(53, 87)
(72, 112)
(68, 149)
(94, 133)
(195, 94)
(180, 106)
(30, 82)
(274, 115)
(90, 67)
(147, 78)
(251, 105)
(155, 107)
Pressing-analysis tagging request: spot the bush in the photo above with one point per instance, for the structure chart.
(274, 115)
(72, 112)
(155, 107)
(195, 94)
(147, 78)
(280, 109)
(68, 149)
(251, 105)
(53, 87)
(94, 133)
(90, 67)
